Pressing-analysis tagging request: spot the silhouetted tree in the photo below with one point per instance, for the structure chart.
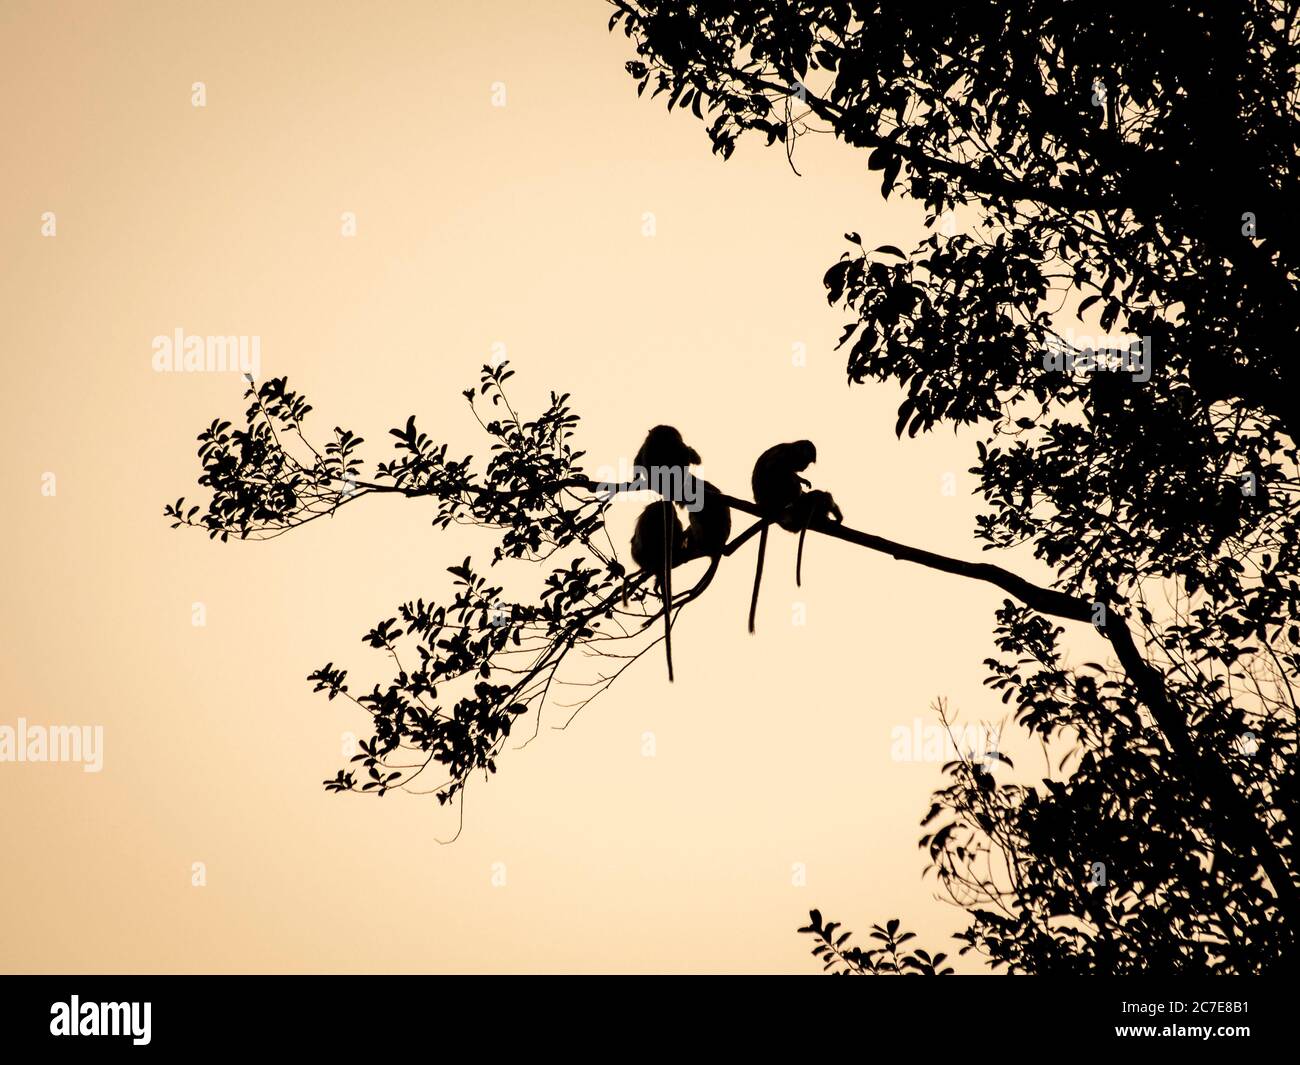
(466, 670)
(890, 958)
(1061, 152)
(1138, 162)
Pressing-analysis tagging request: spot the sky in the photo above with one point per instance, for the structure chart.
(384, 196)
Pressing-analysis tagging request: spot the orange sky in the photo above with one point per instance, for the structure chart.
(475, 225)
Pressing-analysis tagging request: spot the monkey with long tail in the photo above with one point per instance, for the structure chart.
(777, 487)
(658, 544)
(662, 464)
(811, 508)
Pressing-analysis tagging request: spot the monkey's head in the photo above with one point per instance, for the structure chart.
(822, 507)
(665, 443)
(805, 452)
(811, 508)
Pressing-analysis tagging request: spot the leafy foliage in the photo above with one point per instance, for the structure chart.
(839, 959)
(1133, 162)
(468, 669)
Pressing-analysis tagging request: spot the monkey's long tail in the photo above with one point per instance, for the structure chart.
(798, 559)
(668, 594)
(758, 575)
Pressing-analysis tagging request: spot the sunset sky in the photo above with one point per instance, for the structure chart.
(598, 239)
